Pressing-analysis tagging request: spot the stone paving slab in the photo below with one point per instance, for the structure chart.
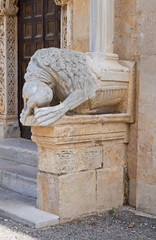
(23, 209)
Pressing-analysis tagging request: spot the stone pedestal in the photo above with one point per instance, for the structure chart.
(81, 165)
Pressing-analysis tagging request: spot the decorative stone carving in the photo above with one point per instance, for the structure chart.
(2, 66)
(69, 25)
(66, 22)
(8, 69)
(8, 45)
(8, 51)
(64, 27)
(63, 2)
(83, 82)
(8, 7)
(11, 63)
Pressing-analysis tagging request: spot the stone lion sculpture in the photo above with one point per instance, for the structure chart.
(69, 76)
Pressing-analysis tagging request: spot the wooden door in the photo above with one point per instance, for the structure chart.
(38, 27)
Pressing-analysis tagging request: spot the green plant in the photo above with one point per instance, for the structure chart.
(111, 211)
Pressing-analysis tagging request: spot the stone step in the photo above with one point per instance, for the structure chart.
(19, 150)
(23, 209)
(18, 177)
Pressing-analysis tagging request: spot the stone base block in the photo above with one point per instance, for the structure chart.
(81, 162)
(9, 129)
(110, 188)
(114, 153)
(69, 159)
(68, 196)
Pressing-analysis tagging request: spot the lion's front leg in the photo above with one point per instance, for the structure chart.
(48, 115)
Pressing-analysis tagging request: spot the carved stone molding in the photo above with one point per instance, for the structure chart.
(8, 60)
(2, 66)
(63, 2)
(66, 22)
(11, 66)
(8, 69)
(64, 27)
(8, 7)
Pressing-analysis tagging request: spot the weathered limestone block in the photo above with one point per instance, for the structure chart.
(62, 159)
(48, 192)
(79, 171)
(114, 154)
(146, 197)
(75, 144)
(132, 191)
(146, 137)
(80, 25)
(69, 196)
(110, 188)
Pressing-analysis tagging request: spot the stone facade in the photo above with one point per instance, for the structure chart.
(135, 40)
(106, 162)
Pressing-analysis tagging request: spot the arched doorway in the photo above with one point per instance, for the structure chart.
(38, 27)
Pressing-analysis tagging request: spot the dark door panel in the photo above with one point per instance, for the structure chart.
(38, 27)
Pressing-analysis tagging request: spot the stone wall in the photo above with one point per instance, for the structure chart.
(81, 11)
(135, 31)
(134, 40)
(125, 45)
(146, 156)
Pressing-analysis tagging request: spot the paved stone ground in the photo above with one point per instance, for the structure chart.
(123, 225)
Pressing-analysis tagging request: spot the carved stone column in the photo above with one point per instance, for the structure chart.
(66, 22)
(101, 25)
(8, 69)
